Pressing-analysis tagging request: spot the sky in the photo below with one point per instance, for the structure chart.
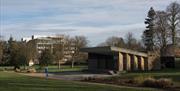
(95, 19)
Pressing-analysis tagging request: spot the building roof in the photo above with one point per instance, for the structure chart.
(111, 50)
(42, 37)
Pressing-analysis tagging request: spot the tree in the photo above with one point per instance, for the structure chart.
(14, 53)
(114, 41)
(10, 52)
(59, 54)
(148, 34)
(78, 42)
(46, 58)
(132, 43)
(161, 31)
(24, 53)
(1, 50)
(31, 51)
(173, 11)
(5, 53)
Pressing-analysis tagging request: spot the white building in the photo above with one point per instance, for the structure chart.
(42, 42)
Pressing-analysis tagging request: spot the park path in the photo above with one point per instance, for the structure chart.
(71, 76)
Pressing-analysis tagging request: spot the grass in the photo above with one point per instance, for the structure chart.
(10, 81)
(173, 74)
(177, 63)
(16, 82)
(6, 67)
(52, 68)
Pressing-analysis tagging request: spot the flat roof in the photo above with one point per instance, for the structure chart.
(111, 50)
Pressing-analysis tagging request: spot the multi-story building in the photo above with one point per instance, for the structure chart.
(50, 42)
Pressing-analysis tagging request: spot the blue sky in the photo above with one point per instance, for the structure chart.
(95, 19)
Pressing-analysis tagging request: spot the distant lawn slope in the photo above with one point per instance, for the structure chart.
(14, 82)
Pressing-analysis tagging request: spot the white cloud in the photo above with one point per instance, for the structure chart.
(93, 33)
(96, 19)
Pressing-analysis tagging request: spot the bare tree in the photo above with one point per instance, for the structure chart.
(78, 42)
(178, 37)
(58, 54)
(162, 34)
(173, 11)
(1, 50)
(114, 41)
(132, 42)
(58, 49)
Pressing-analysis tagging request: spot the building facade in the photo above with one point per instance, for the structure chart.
(170, 57)
(41, 43)
(118, 59)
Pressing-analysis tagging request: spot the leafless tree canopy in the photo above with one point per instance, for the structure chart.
(166, 27)
(173, 11)
(130, 42)
(113, 41)
(79, 42)
(1, 49)
(162, 33)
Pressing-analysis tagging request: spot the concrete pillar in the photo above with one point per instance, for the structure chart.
(146, 65)
(127, 62)
(120, 62)
(132, 62)
(135, 62)
(140, 63)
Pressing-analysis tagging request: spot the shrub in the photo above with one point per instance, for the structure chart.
(89, 78)
(140, 79)
(149, 82)
(161, 83)
(31, 70)
(164, 83)
(17, 70)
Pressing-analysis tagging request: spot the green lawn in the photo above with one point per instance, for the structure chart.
(15, 82)
(51, 68)
(10, 81)
(54, 68)
(173, 74)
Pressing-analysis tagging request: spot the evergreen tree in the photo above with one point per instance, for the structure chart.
(16, 53)
(46, 58)
(22, 54)
(149, 32)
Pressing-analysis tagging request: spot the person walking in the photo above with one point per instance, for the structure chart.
(46, 71)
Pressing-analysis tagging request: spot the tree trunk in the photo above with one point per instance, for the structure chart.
(59, 65)
(24, 67)
(72, 65)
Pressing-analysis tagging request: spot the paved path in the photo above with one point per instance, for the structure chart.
(76, 76)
